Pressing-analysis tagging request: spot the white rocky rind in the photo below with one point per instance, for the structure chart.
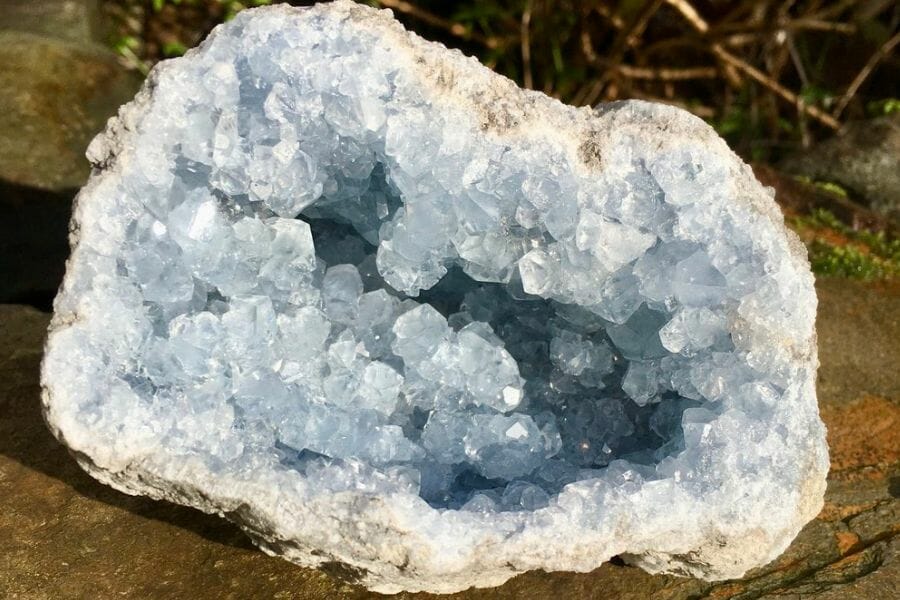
(735, 500)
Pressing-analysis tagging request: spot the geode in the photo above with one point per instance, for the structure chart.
(384, 309)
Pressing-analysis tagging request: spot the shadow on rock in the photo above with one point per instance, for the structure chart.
(24, 436)
(65, 535)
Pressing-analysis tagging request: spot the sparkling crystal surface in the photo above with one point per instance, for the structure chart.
(381, 307)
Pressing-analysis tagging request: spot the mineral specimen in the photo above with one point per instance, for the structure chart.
(382, 308)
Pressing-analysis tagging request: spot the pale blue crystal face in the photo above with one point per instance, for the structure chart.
(313, 268)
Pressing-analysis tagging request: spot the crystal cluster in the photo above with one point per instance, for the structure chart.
(383, 308)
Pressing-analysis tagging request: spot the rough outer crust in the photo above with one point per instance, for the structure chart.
(505, 111)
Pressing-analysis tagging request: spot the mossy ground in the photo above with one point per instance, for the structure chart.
(838, 250)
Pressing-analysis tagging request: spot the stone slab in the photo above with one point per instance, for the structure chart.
(64, 535)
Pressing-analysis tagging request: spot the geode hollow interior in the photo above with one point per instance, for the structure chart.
(381, 307)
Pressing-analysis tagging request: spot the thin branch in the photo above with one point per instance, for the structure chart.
(614, 19)
(673, 45)
(654, 73)
(594, 93)
(575, 99)
(786, 94)
(836, 10)
(455, 29)
(525, 35)
(628, 37)
(743, 39)
(738, 12)
(690, 14)
(668, 74)
(805, 138)
(701, 110)
(801, 24)
(587, 47)
(640, 23)
(701, 26)
(798, 63)
(864, 73)
(631, 35)
(819, 25)
(587, 93)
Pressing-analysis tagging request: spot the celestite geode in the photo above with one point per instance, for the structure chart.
(380, 307)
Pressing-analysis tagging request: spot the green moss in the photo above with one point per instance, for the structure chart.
(127, 46)
(828, 186)
(233, 7)
(883, 107)
(867, 255)
(171, 49)
(849, 261)
(832, 187)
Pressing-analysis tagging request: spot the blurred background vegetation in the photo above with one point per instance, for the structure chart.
(773, 77)
(769, 75)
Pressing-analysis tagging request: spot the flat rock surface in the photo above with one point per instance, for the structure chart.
(58, 86)
(63, 535)
(55, 95)
(59, 83)
(864, 158)
(77, 21)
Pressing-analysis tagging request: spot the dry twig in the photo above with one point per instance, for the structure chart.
(525, 35)
(864, 73)
(605, 12)
(800, 24)
(668, 74)
(626, 37)
(836, 10)
(702, 111)
(455, 29)
(701, 26)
